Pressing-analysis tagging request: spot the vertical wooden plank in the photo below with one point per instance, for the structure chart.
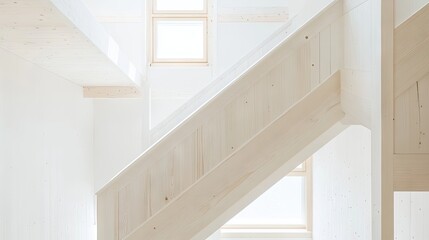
(407, 122)
(199, 153)
(240, 120)
(325, 53)
(262, 103)
(381, 64)
(107, 215)
(182, 166)
(337, 45)
(275, 94)
(157, 189)
(315, 57)
(423, 94)
(387, 115)
(176, 170)
(293, 89)
(304, 67)
(213, 137)
(269, 97)
(133, 205)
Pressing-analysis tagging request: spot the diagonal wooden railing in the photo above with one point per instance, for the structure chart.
(221, 128)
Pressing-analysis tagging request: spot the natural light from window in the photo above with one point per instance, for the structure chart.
(179, 32)
(284, 210)
(282, 204)
(182, 5)
(179, 39)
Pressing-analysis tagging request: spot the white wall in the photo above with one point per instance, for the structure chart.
(46, 156)
(342, 187)
(131, 37)
(121, 126)
(120, 135)
(172, 87)
(411, 215)
(235, 40)
(125, 21)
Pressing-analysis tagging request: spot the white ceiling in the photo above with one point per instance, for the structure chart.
(136, 8)
(116, 8)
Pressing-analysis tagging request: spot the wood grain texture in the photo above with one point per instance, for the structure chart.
(301, 30)
(412, 68)
(412, 84)
(112, 92)
(64, 38)
(382, 126)
(220, 128)
(325, 53)
(412, 33)
(411, 172)
(412, 119)
(387, 95)
(213, 195)
(406, 9)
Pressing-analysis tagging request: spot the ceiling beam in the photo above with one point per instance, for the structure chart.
(111, 92)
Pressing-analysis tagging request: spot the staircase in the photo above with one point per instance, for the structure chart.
(235, 146)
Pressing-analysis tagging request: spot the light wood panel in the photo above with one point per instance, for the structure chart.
(405, 9)
(133, 205)
(412, 119)
(411, 172)
(325, 53)
(217, 130)
(411, 93)
(412, 68)
(407, 122)
(238, 174)
(412, 33)
(112, 92)
(382, 112)
(64, 38)
(387, 93)
(302, 28)
(411, 51)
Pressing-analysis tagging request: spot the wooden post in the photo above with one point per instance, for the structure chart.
(382, 120)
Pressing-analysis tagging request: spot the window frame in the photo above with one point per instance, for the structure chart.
(179, 15)
(180, 12)
(282, 230)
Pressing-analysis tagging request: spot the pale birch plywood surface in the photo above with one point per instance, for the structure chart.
(412, 84)
(205, 206)
(63, 38)
(198, 146)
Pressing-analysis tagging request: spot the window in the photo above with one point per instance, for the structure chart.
(179, 31)
(285, 210)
